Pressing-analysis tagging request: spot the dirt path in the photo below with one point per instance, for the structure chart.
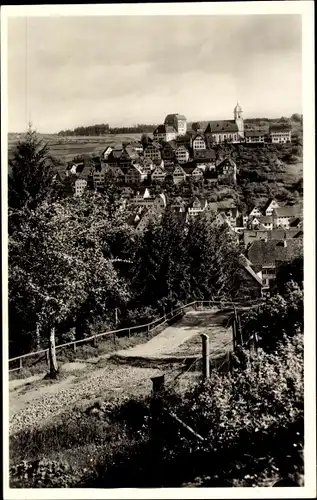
(167, 342)
(37, 401)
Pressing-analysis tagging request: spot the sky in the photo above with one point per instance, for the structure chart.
(65, 72)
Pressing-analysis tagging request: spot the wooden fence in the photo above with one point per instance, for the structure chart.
(128, 331)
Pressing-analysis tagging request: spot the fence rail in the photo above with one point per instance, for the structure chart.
(148, 327)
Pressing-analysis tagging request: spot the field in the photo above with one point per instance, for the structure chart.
(66, 148)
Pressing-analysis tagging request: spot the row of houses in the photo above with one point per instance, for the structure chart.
(219, 131)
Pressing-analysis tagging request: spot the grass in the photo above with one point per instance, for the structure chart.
(66, 148)
(83, 352)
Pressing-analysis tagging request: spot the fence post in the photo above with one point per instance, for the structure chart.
(74, 347)
(205, 356)
(47, 358)
(148, 330)
(157, 384)
(95, 342)
(114, 338)
(129, 333)
(20, 364)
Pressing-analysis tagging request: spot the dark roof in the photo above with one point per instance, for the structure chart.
(279, 234)
(255, 133)
(224, 209)
(289, 211)
(266, 219)
(171, 144)
(221, 126)
(268, 203)
(204, 154)
(115, 154)
(267, 252)
(280, 127)
(244, 262)
(201, 136)
(171, 117)
(189, 167)
(164, 129)
(153, 145)
(226, 160)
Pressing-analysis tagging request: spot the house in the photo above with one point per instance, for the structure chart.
(193, 172)
(249, 236)
(153, 151)
(199, 142)
(270, 205)
(280, 133)
(283, 216)
(117, 171)
(147, 165)
(113, 157)
(205, 159)
(255, 136)
(178, 204)
(134, 175)
(147, 217)
(178, 122)
(127, 158)
(265, 256)
(164, 133)
(255, 212)
(182, 154)
(80, 186)
(106, 152)
(227, 170)
(160, 201)
(197, 206)
(266, 222)
(179, 175)
(226, 130)
(136, 146)
(158, 174)
(248, 283)
(168, 151)
(99, 173)
(231, 214)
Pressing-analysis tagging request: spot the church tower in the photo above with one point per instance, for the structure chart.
(237, 113)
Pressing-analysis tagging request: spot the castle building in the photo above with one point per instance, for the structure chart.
(179, 122)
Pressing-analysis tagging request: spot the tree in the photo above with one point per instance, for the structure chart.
(32, 178)
(61, 262)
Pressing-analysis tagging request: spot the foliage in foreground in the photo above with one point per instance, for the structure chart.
(251, 419)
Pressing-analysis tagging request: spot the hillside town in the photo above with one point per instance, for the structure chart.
(176, 155)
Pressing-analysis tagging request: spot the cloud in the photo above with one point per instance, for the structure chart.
(139, 68)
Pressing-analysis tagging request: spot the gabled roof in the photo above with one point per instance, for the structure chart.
(170, 144)
(199, 136)
(189, 168)
(268, 203)
(255, 133)
(267, 252)
(171, 117)
(225, 161)
(153, 144)
(164, 129)
(280, 234)
(244, 262)
(280, 127)
(221, 126)
(115, 155)
(288, 211)
(201, 200)
(266, 219)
